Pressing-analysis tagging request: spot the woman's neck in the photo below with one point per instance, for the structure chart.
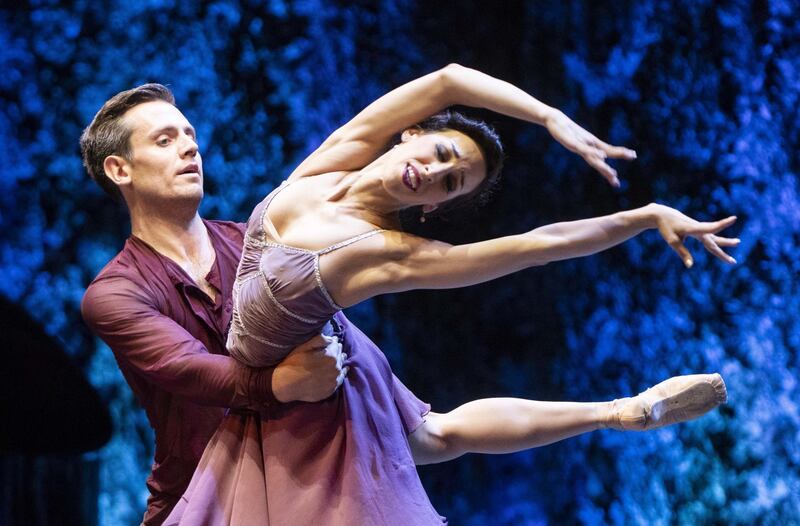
(362, 194)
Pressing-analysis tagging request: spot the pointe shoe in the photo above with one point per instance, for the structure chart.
(677, 399)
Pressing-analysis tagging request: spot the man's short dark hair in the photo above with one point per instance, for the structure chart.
(108, 135)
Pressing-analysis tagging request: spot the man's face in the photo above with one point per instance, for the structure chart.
(165, 163)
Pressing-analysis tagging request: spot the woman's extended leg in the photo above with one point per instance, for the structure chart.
(502, 425)
(506, 425)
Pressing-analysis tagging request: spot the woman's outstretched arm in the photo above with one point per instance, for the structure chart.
(397, 261)
(365, 137)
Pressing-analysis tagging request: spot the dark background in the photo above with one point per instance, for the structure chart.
(706, 92)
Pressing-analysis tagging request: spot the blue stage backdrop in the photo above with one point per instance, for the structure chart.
(708, 93)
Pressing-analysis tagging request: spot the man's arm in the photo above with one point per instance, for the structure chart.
(158, 349)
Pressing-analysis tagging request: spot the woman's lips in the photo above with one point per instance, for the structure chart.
(411, 178)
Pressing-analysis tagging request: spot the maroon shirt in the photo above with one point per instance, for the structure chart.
(168, 338)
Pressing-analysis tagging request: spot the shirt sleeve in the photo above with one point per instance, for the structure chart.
(157, 349)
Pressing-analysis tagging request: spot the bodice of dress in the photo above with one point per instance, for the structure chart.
(279, 297)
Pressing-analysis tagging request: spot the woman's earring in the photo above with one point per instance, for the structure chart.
(422, 218)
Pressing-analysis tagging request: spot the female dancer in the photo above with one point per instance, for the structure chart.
(330, 237)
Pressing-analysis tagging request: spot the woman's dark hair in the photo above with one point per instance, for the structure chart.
(488, 143)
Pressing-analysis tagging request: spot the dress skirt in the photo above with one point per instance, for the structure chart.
(343, 461)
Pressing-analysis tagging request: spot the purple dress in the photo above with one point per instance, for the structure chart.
(343, 461)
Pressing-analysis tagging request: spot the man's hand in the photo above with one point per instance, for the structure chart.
(311, 372)
(593, 150)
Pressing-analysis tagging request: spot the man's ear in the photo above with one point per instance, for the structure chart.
(117, 169)
(410, 133)
(427, 209)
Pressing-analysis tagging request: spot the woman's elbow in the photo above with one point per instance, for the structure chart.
(451, 72)
(452, 67)
(448, 80)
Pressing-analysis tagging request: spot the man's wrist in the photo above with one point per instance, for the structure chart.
(259, 388)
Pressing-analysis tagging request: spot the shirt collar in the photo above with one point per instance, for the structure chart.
(174, 272)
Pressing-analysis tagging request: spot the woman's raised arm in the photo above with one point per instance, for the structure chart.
(473, 88)
(363, 138)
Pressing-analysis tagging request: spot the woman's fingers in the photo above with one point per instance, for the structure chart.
(617, 152)
(596, 152)
(677, 245)
(722, 224)
(710, 227)
(711, 245)
(593, 150)
(726, 241)
(677, 226)
(596, 159)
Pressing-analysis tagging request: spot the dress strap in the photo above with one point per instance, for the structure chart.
(350, 241)
(255, 227)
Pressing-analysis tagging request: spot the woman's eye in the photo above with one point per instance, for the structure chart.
(450, 184)
(440, 152)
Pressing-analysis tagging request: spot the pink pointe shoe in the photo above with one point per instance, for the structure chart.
(677, 399)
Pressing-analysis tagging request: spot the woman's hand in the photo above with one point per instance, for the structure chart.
(593, 150)
(675, 227)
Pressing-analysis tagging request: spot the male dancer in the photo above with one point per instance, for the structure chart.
(163, 304)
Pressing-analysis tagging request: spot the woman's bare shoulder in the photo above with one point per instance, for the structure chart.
(308, 213)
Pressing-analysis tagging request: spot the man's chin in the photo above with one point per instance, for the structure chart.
(187, 196)
(193, 196)
(190, 191)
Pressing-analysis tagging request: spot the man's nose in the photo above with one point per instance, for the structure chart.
(189, 147)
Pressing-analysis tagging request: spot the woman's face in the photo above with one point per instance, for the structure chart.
(430, 169)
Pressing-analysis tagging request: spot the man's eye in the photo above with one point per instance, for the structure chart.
(440, 152)
(450, 183)
(163, 142)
